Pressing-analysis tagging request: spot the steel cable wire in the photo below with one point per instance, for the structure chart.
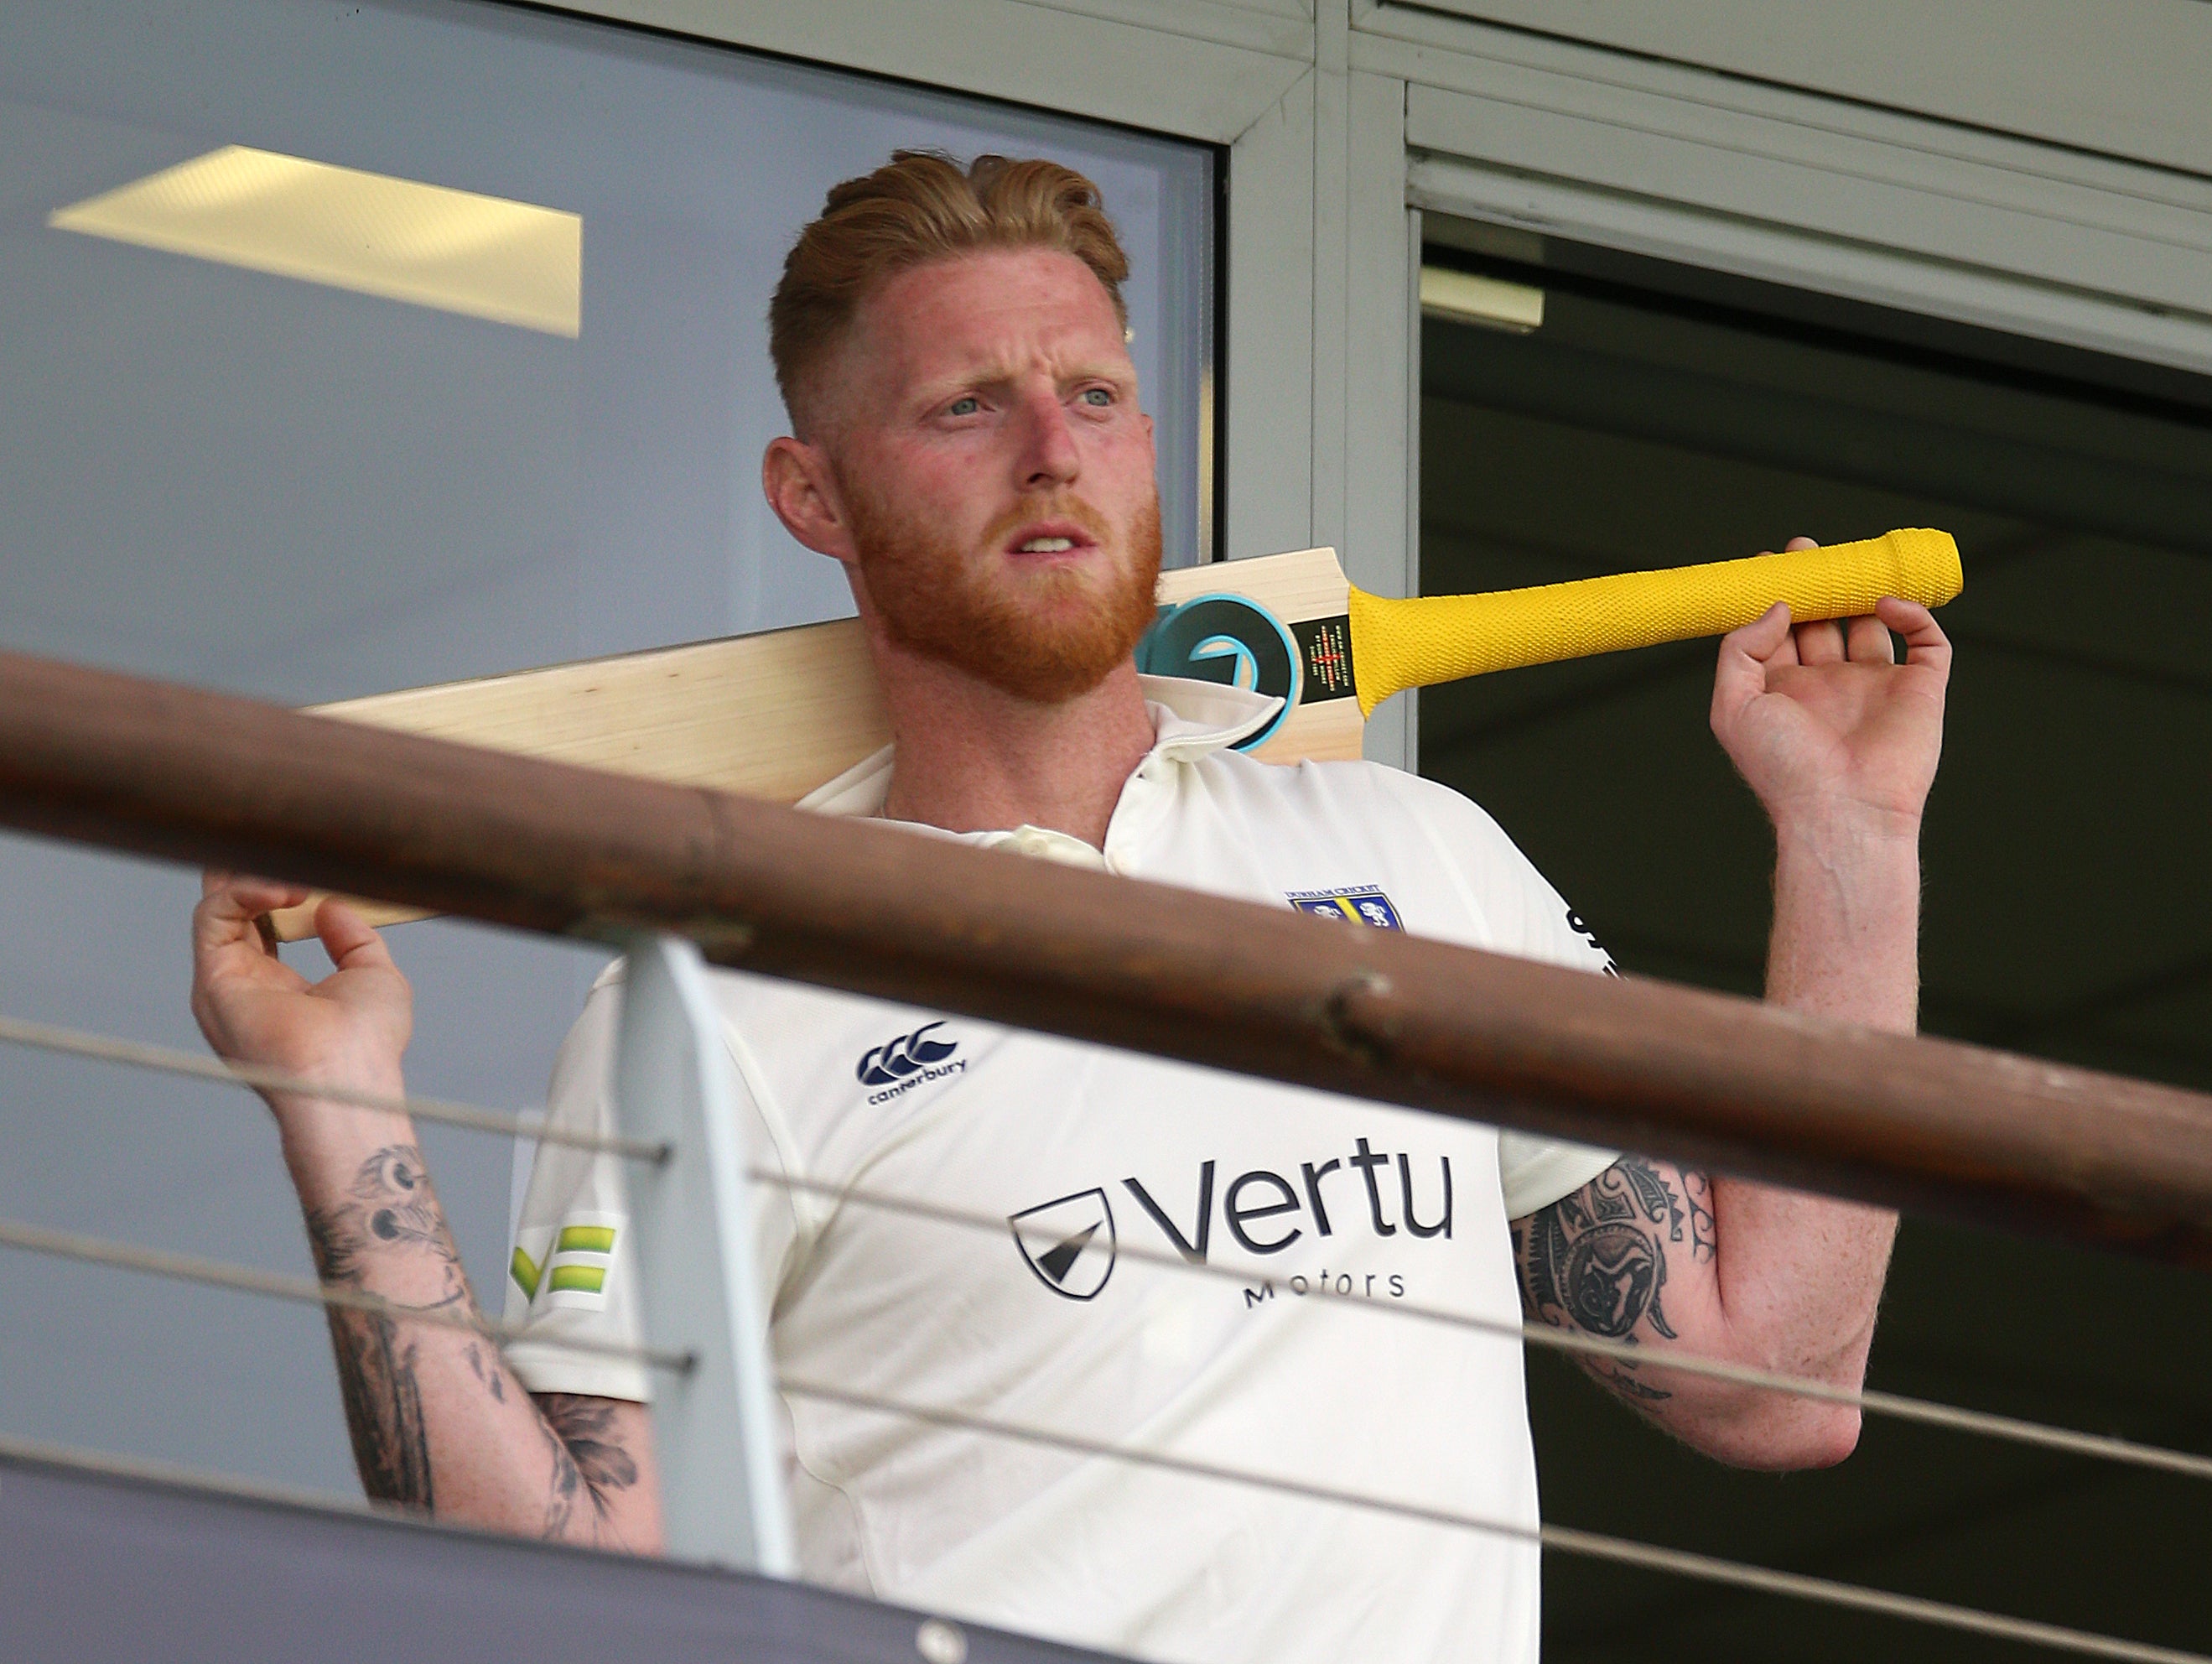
(1565, 1539)
(1894, 1406)
(279, 1285)
(167, 1060)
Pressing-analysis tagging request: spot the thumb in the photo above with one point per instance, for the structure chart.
(1741, 675)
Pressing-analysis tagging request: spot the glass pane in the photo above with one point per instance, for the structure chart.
(239, 449)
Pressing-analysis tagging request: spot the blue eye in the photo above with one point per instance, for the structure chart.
(966, 405)
(1100, 397)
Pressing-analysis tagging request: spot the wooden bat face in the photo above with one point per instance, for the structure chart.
(777, 714)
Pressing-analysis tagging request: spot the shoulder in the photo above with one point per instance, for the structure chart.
(1489, 894)
(1381, 803)
(744, 999)
(796, 1029)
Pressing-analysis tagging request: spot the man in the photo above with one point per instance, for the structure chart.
(968, 442)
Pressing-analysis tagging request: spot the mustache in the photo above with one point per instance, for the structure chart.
(1047, 505)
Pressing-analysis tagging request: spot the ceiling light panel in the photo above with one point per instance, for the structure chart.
(484, 257)
(1464, 297)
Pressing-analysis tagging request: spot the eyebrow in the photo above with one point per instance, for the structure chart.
(1000, 373)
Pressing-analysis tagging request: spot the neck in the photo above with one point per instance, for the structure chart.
(969, 757)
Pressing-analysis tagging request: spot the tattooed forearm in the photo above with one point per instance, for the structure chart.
(494, 1378)
(383, 1409)
(389, 1205)
(589, 1463)
(1596, 1260)
(558, 1467)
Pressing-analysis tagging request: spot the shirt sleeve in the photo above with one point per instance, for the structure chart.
(1525, 917)
(571, 1273)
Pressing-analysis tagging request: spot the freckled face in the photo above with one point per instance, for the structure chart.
(998, 471)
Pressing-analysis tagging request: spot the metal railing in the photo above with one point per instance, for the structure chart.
(1709, 1079)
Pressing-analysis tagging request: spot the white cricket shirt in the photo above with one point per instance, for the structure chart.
(1078, 1155)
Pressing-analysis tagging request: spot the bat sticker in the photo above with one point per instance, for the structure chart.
(1235, 640)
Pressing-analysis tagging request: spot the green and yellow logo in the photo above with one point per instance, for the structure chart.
(562, 1273)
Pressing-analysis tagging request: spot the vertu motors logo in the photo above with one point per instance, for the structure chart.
(1069, 1243)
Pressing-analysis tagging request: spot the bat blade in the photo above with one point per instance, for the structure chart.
(777, 714)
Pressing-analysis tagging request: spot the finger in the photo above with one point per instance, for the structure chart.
(1797, 543)
(228, 911)
(1821, 643)
(347, 938)
(1763, 636)
(1866, 641)
(1746, 653)
(249, 891)
(1925, 644)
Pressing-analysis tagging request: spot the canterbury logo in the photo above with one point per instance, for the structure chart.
(904, 1057)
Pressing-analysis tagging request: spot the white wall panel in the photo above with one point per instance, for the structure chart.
(1837, 198)
(1268, 473)
(1381, 391)
(1195, 68)
(2125, 77)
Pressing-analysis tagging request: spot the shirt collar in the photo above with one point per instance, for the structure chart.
(1190, 720)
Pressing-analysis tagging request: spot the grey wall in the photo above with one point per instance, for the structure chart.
(248, 481)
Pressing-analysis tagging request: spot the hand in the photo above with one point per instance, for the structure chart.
(352, 1028)
(1825, 726)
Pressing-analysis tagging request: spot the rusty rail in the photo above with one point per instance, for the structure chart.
(170, 771)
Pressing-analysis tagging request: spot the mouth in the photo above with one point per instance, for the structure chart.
(1050, 538)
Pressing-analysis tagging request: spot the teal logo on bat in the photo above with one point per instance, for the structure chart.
(1228, 639)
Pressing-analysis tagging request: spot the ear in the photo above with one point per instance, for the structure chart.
(802, 488)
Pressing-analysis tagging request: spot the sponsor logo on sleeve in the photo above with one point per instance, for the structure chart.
(568, 1267)
(1363, 905)
(899, 1065)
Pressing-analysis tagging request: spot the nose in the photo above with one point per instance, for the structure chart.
(1048, 456)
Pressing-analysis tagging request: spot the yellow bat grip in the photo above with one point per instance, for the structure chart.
(1426, 639)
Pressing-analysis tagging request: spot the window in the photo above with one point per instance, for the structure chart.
(1589, 413)
(239, 449)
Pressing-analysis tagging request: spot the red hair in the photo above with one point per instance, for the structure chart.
(921, 206)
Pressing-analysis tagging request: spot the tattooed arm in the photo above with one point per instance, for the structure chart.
(438, 1421)
(1839, 743)
(1663, 1259)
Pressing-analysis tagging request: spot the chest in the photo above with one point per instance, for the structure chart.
(1004, 1194)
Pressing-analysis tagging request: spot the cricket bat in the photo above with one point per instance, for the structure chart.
(777, 714)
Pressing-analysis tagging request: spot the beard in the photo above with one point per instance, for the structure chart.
(1044, 636)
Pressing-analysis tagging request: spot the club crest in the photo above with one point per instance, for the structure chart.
(1364, 906)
